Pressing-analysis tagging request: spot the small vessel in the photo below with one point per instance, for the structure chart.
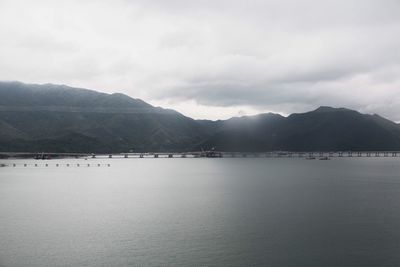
(42, 156)
(310, 158)
(324, 158)
(211, 153)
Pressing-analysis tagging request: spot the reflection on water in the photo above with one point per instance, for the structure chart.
(182, 212)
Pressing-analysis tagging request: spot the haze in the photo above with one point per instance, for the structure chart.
(212, 59)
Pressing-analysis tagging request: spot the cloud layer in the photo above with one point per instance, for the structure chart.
(212, 59)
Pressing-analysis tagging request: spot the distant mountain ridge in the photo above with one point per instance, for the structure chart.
(58, 118)
(64, 119)
(324, 129)
(20, 94)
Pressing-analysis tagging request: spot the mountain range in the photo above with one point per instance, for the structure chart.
(58, 118)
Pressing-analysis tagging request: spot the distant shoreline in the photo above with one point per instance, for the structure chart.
(206, 154)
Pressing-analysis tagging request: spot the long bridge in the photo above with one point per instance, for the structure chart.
(272, 154)
(207, 154)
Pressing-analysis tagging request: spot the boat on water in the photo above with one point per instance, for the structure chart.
(324, 158)
(310, 158)
(211, 153)
(42, 156)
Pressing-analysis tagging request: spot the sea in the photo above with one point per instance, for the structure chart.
(200, 212)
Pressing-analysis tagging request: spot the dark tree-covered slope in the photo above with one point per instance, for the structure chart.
(323, 129)
(64, 119)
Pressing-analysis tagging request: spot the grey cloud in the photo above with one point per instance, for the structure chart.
(285, 56)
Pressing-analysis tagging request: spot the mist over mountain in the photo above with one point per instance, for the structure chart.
(58, 118)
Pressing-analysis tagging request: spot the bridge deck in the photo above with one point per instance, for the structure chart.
(209, 154)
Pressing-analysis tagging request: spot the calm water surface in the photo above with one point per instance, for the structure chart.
(204, 212)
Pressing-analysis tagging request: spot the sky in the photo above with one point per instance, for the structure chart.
(212, 59)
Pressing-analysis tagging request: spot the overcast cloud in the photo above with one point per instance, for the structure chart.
(212, 58)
